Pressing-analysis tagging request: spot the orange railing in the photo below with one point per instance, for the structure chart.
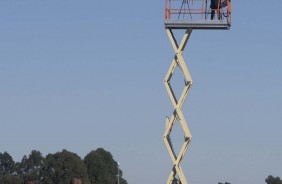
(197, 10)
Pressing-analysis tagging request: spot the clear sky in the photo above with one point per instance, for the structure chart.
(83, 74)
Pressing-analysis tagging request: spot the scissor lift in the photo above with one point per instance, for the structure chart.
(187, 15)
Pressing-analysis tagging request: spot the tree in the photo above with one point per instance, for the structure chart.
(273, 180)
(7, 164)
(102, 168)
(30, 167)
(61, 167)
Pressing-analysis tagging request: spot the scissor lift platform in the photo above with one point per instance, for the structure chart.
(197, 14)
(197, 24)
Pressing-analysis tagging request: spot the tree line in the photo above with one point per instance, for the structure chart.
(97, 167)
(269, 180)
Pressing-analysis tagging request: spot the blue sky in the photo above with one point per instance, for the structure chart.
(86, 74)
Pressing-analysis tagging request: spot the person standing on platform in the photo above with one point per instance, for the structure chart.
(215, 6)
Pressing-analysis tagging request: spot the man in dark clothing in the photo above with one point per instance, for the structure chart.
(215, 5)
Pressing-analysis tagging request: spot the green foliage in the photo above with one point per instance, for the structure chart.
(273, 180)
(7, 164)
(102, 168)
(30, 167)
(98, 167)
(61, 167)
(8, 179)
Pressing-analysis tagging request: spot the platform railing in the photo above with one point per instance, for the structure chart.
(196, 10)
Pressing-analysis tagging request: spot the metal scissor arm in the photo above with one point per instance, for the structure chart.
(177, 104)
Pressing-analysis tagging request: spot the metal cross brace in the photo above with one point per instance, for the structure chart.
(177, 104)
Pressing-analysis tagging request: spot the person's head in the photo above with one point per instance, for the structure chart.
(75, 181)
(28, 181)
